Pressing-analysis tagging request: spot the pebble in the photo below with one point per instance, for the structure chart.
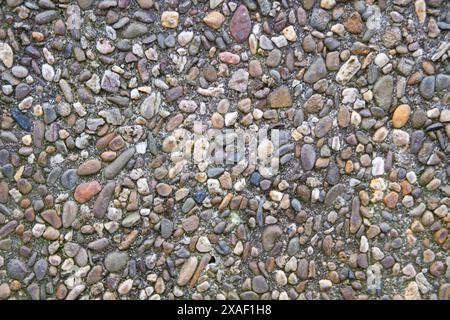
(6, 54)
(69, 213)
(17, 269)
(117, 165)
(191, 223)
(116, 261)
(239, 80)
(270, 236)
(427, 87)
(229, 58)
(308, 157)
(354, 23)
(333, 193)
(187, 271)
(103, 199)
(169, 19)
(86, 191)
(240, 24)
(323, 127)
(21, 119)
(316, 71)
(280, 98)
(383, 90)
(5, 291)
(203, 245)
(134, 30)
(89, 167)
(377, 166)
(348, 70)
(214, 19)
(401, 116)
(319, 19)
(69, 179)
(259, 284)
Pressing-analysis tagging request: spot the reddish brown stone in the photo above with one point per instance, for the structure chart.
(391, 200)
(240, 25)
(85, 191)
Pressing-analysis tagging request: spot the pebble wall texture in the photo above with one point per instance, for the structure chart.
(95, 203)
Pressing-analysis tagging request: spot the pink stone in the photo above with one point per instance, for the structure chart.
(229, 58)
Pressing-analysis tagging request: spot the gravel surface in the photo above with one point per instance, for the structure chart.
(122, 175)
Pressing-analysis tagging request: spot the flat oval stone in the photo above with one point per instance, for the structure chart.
(308, 156)
(21, 119)
(166, 228)
(103, 200)
(8, 229)
(69, 179)
(401, 116)
(99, 244)
(259, 284)
(89, 167)
(163, 189)
(94, 275)
(427, 87)
(229, 58)
(188, 106)
(190, 224)
(46, 17)
(86, 191)
(69, 214)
